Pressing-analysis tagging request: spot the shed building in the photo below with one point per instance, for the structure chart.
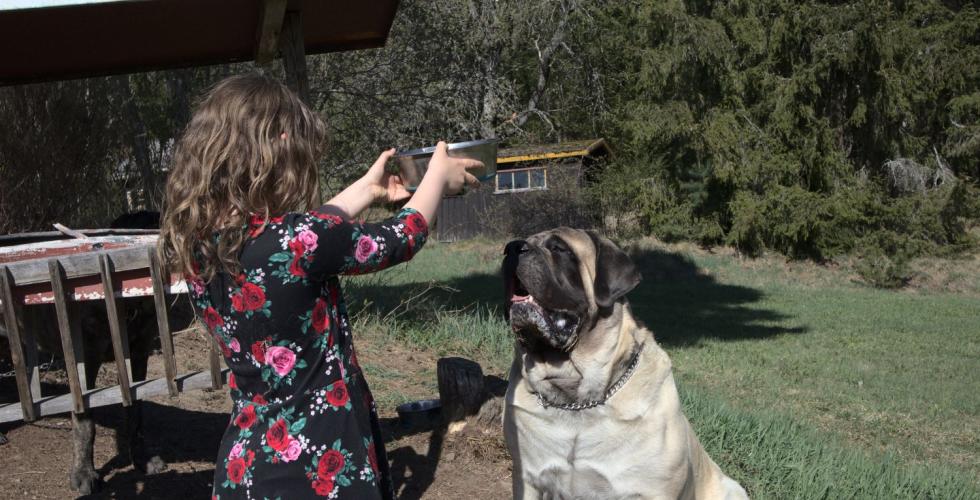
(526, 176)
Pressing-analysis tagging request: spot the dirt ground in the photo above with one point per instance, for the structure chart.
(185, 432)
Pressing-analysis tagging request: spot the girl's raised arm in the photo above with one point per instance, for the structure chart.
(331, 243)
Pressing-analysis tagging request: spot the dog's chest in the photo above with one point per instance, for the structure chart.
(585, 456)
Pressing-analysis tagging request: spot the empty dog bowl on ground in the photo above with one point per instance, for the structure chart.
(413, 163)
(424, 413)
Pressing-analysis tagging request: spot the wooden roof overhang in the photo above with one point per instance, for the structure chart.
(570, 149)
(46, 40)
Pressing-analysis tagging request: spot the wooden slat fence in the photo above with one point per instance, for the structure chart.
(59, 280)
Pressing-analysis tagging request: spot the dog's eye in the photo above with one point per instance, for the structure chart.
(558, 247)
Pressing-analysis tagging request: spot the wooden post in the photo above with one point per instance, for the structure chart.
(117, 331)
(270, 27)
(163, 322)
(71, 335)
(25, 364)
(293, 49)
(461, 388)
(215, 366)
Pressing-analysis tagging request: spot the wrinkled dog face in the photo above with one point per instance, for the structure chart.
(558, 281)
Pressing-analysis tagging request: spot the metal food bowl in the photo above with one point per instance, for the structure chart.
(412, 164)
(419, 414)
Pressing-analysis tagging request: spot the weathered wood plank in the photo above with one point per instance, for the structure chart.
(163, 322)
(84, 264)
(105, 396)
(26, 373)
(215, 368)
(117, 331)
(70, 335)
(43, 236)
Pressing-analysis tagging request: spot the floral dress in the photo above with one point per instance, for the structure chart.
(303, 423)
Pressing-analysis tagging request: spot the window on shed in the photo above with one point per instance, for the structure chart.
(524, 179)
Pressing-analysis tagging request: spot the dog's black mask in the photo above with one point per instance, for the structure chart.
(546, 300)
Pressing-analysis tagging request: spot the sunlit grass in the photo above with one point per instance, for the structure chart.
(802, 382)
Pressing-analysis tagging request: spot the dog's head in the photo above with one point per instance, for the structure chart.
(558, 282)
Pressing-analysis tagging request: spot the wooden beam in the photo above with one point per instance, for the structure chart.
(84, 264)
(293, 48)
(163, 322)
(105, 396)
(71, 336)
(25, 368)
(117, 332)
(270, 26)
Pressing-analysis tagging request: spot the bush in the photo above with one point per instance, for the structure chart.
(881, 270)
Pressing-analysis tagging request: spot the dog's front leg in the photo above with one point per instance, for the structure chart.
(132, 441)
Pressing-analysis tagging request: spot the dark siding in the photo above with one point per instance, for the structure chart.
(475, 214)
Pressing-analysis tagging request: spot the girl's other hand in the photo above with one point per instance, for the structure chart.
(383, 186)
(452, 170)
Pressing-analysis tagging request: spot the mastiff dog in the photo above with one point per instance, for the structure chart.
(592, 410)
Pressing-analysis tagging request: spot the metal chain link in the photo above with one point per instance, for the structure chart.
(605, 397)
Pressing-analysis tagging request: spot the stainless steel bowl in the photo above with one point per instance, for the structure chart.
(413, 164)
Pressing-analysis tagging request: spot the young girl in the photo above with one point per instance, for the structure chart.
(263, 276)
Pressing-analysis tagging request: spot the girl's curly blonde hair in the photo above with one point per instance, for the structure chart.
(251, 148)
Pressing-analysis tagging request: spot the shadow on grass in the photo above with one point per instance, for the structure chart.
(677, 299)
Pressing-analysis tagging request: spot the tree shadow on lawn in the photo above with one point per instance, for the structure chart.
(679, 301)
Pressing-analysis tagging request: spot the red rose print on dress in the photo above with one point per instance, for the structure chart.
(323, 487)
(296, 247)
(253, 296)
(320, 319)
(212, 318)
(415, 223)
(281, 359)
(331, 463)
(236, 470)
(258, 351)
(246, 418)
(278, 436)
(259, 400)
(238, 302)
(337, 394)
(330, 219)
(366, 247)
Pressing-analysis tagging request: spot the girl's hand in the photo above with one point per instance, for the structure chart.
(383, 186)
(452, 170)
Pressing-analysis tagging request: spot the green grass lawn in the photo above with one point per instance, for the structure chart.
(801, 383)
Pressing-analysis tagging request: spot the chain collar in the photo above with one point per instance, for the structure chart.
(585, 405)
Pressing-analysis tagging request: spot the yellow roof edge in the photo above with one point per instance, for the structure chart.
(542, 156)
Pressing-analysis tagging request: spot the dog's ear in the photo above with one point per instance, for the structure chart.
(615, 272)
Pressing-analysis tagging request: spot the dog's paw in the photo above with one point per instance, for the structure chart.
(85, 481)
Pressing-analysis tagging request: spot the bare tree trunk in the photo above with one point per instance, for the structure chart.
(139, 138)
(545, 56)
